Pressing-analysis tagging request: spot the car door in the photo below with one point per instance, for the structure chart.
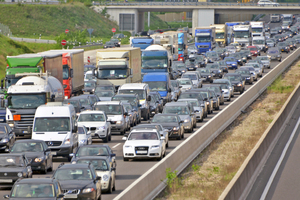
(48, 155)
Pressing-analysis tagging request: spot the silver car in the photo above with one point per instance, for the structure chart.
(270, 43)
(197, 108)
(196, 79)
(252, 71)
(259, 70)
(275, 54)
(265, 61)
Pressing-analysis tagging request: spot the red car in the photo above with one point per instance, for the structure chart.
(254, 50)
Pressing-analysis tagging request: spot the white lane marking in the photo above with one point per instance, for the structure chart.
(271, 179)
(116, 145)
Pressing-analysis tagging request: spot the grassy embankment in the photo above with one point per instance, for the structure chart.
(208, 175)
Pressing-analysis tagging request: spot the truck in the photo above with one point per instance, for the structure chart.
(287, 18)
(205, 39)
(23, 98)
(169, 41)
(142, 42)
(229, 30)
(182, 46)
(275, 18)
(221, 34)
(242, 34)
(258, 28)
(155, 58)
(118, 66)
(73, 70)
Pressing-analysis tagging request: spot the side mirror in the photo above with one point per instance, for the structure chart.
(71, 154)
(89, 132)
(113, 155)
(6, 196)
(124, 138)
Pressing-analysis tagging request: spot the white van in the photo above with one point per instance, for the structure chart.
(260, 43)
(55, 123)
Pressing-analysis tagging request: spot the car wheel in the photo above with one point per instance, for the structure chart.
(105, 140)
(195, 125)
(182, 135)
(279, 60)
(51, 167)
(167, 145)
(45, 170)
(125, 159)
(241, 92)
(228, 99)
(109, 188)
(109, 137)
(123, 132)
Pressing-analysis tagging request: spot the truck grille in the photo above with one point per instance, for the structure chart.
(203, 46)
(53, 143)
(26, 120)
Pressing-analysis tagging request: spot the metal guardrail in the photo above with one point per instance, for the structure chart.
(31, 40)
(150, 184)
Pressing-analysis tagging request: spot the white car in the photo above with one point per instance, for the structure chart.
(185, 84)
(89, 76)
(84, 136)
(144, 144)
(267, 3)
(97, 123)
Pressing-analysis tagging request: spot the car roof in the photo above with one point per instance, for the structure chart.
(108, 103)
(91, 112)
(73, 166)
(143, 130)
(36, 180)
(93, 157)
(28, 140)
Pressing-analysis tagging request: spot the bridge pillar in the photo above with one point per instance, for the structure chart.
(203, 17)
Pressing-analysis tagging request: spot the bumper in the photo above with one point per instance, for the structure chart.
(100, 133)
(38, 166)
(61, 151)
(232, 66)
(117, 127)
(148, 154)
(187, 125)
(25, 132)
(207, 79)
(8, 181)
(227, 95)
(238, 88)
(86, 196)
(4, 146)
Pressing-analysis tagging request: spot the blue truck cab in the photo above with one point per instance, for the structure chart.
(205, 39)
(159, 82)
(142, 42)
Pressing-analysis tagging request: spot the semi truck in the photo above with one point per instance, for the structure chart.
(274, 18)
(155, 58)
(229, 31)
(258, 29)
(221, 34)
(26, 95)
(73, 70)
(168, 40)
(242, 34)
(118, 66)
(142, 42)
(182, 46)
(205, 39)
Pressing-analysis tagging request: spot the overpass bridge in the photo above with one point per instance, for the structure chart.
(130, 16)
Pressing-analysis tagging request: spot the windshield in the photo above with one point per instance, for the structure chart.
(52, 124)
(281, 44)
(154, 63)
(287, 19)
(190, 76)
(73, 102)
(11, 161)
(164, 119)
(80, 130)
(212, 66)
(232, 78)
(27, 147)
(140, 93)
(200, 39)
(211, 54)
(263, 58)
(192, 47)
(258, 42)
(85, 102)
(257, 30)
(253, 49)
(143, 136)
(131, 100)
(242, 72)
(89, 76)
(174, 83)
(204, 70)
(11, 81)
(92, 151)
(73, 174)
(98, 164)
(110, 109)
(179, 110)
(112, 73)
(230, 59)
(185, 82)
(241, 34)
(190, 96)
(37, 191)
(87, 68)
(65, 72)
(157, 85)
(89, 84)
(29, 101)
(91, 118)
(104, 93)
(219, 35)
(273, 52)
(105, 87)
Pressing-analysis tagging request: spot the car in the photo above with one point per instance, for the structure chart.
(106, 87)
(217, 90)
(195, 78)
(185, 84)
(87, 103)
(283, 47)
(192, 49)
(118, 35)
(265, 60)
(212, 56)
(291, 43)
(270, 43)
(154, 106)
(252, 72)
(236, 45)
(116, 42)
(273, 31)
(230, 49)
(237, 57)
(278, 28)
(267, 27)
(254, 50)
(37, 151)
(84, 136)
(105, 95)
(279, 38)
(144, 144)
(158, 99)
(36, 188)
(237, 81)
(76, 103)
(180, 67)
(267, 3)
(285, 26)
(109, 44)
(89, 87)
(190, 66)
(175, 90)
(223, 66)
(200, 61)
(13, 166)
(225, 81)
(116, 114)
(206, 75)
(199, 113)
(243, 56)
(212, 99)
(221, 52)
(275, 54)
(195, 94)
(215, 69)
(96, 121)
(231, 62)
(132, 115)
(89, 76)
(246, 75)
(103, 169)
(89, 67)
(78, 181)
(95, 150)
(8, 137)
(258, 70)
(163, 132)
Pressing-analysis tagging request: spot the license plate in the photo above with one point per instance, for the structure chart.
(53, 153)
(70, 196)
(141, 152)
(6, 180)
(191, 68)
(25, 131)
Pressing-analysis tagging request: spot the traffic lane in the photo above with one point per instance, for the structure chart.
(286, 180)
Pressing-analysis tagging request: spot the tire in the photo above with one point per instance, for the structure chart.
(182, 135)
(51, 167)
(109, 188)
(279, 60)
(241, 92)
(123, 132)
(195, 125)
(125, 159)
(114, 186)
(45, 170)
(109, 137)
(105, 140)
(167, 145)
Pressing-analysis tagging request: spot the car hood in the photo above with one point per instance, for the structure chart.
(32, 155)
(142, 142)
(183, 117)
(169, 125)
(115, 117)
(163, 93)
(105, 98)
(235, 82)
(102, 173)
(75, 184)
(92, 124)
(230, 62)
(11, 169)
(81, 137)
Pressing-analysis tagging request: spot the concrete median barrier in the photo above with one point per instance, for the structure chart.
(151, 183)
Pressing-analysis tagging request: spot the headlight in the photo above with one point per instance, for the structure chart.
(82, 141)
(207, 103)
(102, 127)
(105, 178)
(220, 71)
(40, 159)
(4, 140)
(155, 147)
(11, 125)
(88, 190)
(20, 174)
(119, 122)
(67, 141)
(239, 84)
(73, 162)
(187, 120)
(209, 76)
(176, 128)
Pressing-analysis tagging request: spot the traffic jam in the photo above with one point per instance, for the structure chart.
(141, 98)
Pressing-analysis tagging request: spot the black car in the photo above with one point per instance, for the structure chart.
(223, 66)
(172, 122)
(106, 87)
(87, 100)
(212, 56)
(95, 150)
(157, 97)
(116, 42)
(195, 94)
(180, 67)
(154, 106)
(246, 75)
(206, 75)
(36, 188)
(236, 81)
(247, 53)
(190, 66)
(37, 151)
(76, 103)
(89, 87)
(221, 52)
(238, 58)
(109, 44)
(12, 167)
(79, 181)
(200, 61)
(7, 137)
(217, 90)
(207, 97)
(215, 69)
